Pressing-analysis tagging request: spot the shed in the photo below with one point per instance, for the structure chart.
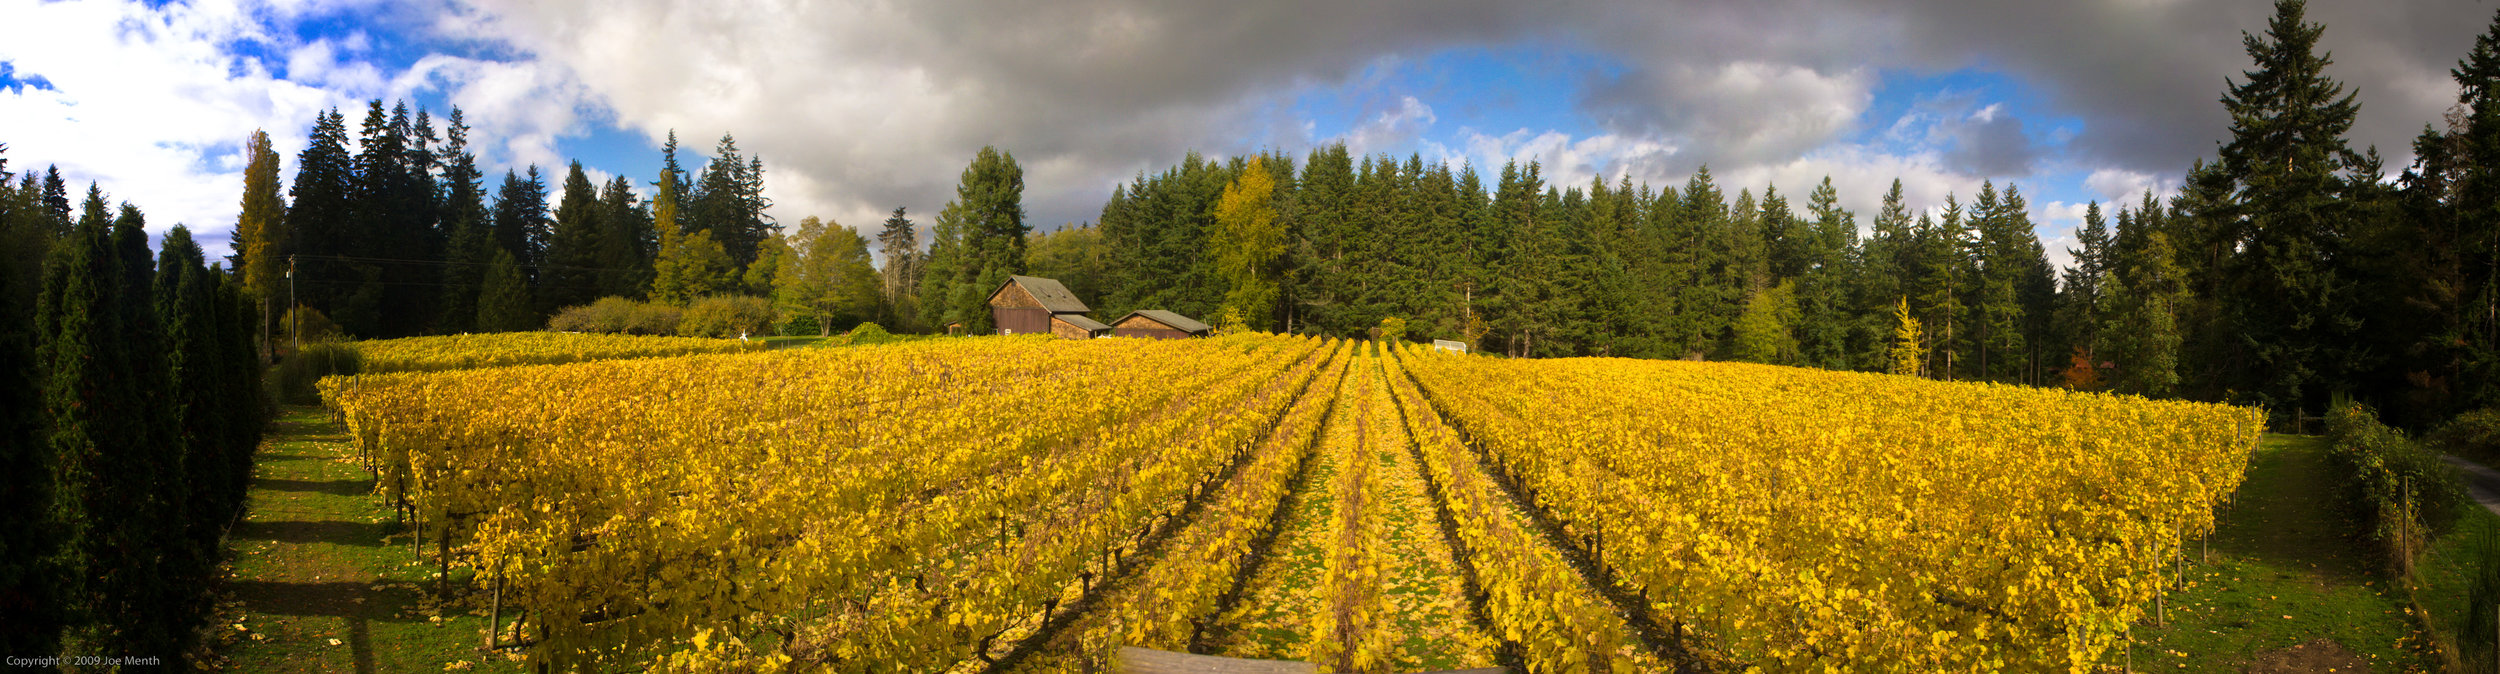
(1077, 326)
(1158, 324)
(1024, 305)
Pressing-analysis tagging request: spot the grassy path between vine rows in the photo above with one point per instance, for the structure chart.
(321, 582)
(2286, 589)
(1423, 606)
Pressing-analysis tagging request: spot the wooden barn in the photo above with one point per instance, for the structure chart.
(1158, 324)
(1027, 305)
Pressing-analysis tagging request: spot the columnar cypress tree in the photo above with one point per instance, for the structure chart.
(96, 406)
(195, 463)
(31, 613)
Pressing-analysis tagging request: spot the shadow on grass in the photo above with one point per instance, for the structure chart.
(2285, 514)
(331, 487)
(352, 602)
(359, 534)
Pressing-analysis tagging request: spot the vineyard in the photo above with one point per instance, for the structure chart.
(1027, 504)
(460, 352)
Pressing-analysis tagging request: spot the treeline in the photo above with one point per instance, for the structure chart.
(399, 235)
(395, 232)
(130, 407)
(2287, 271)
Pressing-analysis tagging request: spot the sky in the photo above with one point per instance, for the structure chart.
(860, 106)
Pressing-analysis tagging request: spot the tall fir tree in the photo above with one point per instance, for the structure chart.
(626, 241)
(468, 232)
(571, 274)
(987, 220)
(899, 244)
(321, 215)
(2286, 165)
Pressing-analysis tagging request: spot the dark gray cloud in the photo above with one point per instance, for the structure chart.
(870, 104)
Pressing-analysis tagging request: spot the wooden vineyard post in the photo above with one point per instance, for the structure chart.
(494, 612)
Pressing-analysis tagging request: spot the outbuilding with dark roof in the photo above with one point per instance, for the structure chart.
(1158, 324)
(1024, 305)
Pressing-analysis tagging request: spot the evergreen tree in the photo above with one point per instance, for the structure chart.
(319, 219)
(571, 274)
(2144, 335)
(468, 233)
(26, 236)
(1704, 297)
(2286, 166)
(1883, 276)
(899, 279)
(1942, 271)
(503, 302)
(1825, 275)
(728, 199)
(31, 615)
(945, 268)
(987, 216)
(626, 242)
(1321, 229)
(104, 441)
(2081, 300)
(522, 232)
(193, 460)
(56, 201)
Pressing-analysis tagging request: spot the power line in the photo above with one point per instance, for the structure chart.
(450, 263)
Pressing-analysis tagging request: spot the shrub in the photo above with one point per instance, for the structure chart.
(292, 379)
(2400, 492)
(307, 326)
(802, 324)
(2473, 434)
(617, 315)
(726, 316)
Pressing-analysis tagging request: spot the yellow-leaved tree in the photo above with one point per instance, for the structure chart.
(1909, 347)
(1247, 242)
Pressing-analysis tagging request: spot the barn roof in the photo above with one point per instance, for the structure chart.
(1177, 321)
(1053, 296)
(1081, 322)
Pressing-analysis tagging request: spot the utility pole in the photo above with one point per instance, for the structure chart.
(295, 323)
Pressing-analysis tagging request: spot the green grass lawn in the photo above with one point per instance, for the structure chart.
(2285, 590)
(322, 580)
(2445, 571)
